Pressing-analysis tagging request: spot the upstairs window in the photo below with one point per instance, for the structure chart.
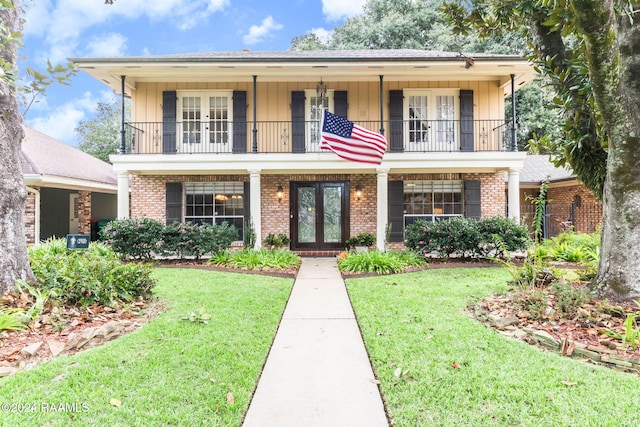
(205, 117)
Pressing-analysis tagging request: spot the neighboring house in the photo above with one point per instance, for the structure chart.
(570, 206)
(68, 191)
(234, 136)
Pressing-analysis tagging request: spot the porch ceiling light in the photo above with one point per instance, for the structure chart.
(321, 90)
(279, 193)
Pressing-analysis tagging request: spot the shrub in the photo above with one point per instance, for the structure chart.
(137, 238)
(144, 238)
(362, 239)
(379, 262)
(514, 237)
(275, 242)
(466, 237)
(256, 259)
(82, 277)
(193, 240)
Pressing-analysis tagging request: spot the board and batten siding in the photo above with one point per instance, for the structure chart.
(274, 98)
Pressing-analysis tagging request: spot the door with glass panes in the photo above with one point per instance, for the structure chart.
(319, 219)
(204, 120)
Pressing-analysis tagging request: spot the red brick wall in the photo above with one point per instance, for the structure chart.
(30, 218)
(148, 196)
(493, 199)
(588, 215)
(84, 212)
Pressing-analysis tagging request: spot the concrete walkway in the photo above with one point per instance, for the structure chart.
(317, 373)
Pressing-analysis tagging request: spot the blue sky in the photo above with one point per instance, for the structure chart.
(60, 29)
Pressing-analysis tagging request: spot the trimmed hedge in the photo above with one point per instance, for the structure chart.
(145, 238)
(467, 237)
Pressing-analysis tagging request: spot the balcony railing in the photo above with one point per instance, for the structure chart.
(410, 136)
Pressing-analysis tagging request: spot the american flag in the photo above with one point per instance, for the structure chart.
(350, 141)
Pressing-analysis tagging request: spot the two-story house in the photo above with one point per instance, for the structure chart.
(234, 136)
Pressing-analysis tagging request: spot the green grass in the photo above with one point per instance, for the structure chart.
(171, 371)
(416, 326)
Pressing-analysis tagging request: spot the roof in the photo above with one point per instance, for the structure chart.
(47, 158)
(308, 65)
(365, 55)
(538, 167)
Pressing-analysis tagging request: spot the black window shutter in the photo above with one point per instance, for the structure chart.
(340, 105)
(174, 202)
(466, 120)
(169, 100)
(396, 137)
(246, 207)
(396, 210)
(472, 205)
(297, 122)
(239, 121)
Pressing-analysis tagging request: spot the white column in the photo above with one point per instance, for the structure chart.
(382, 207)
(513, 195)
(256, 212)
(123, 195)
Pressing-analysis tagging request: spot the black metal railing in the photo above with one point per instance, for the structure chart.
(419, 136)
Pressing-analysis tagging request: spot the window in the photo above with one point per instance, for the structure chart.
(215, 203)
(205, 117)
(430, 119)
(431, 200)
(313, 115)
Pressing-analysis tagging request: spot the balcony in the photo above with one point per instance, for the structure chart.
(410, 136)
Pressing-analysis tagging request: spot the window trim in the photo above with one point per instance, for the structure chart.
(204, 96)
(431, 142)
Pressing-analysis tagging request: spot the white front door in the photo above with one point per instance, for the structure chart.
(74, 223)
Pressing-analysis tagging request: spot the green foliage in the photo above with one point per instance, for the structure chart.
(532, 273)
(252, 259)
(540, 201)
(200, 316)
(195, 240)
(144, 238)
(362, 239)
(466, 237)
(273, 241)
(379, 262)
(83, 277)
(11, 320)
(569, 300)
(559, 54)
(631, 334)
(137, 238)
(100, 136)
(249, 234)
(571, 247)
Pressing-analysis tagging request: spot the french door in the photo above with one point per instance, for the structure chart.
(319, 215)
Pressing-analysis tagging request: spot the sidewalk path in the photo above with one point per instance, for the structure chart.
(318, 373)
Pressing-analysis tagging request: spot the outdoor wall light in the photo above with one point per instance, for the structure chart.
(358, 192)
(279, 193)
(321, 90)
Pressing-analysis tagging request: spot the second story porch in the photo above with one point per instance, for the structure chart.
(225, 137)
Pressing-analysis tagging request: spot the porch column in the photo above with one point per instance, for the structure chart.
(514, 195)
(382, 208)
(123, 138)
(256, 212)
(123, 195)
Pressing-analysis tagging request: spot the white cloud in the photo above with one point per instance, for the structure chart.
(260, 33)
(63, 22)
(335, 10)
(60, 122)
(112, 44)
(323, 34)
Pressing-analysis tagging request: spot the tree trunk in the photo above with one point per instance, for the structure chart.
(614, 64)
(14, 260)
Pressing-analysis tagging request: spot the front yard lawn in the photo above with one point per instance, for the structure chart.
(170, 372)
(438, 366)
